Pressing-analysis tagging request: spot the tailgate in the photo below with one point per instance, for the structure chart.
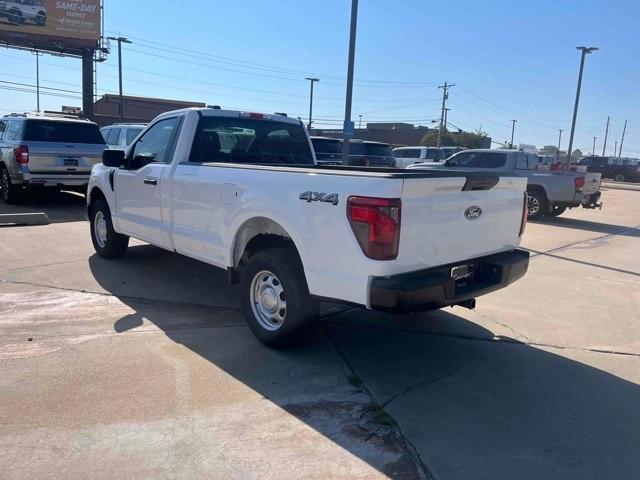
(451, 219)
(592, 183)
(63, 158)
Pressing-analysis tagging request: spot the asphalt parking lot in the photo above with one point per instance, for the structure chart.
(144, 368)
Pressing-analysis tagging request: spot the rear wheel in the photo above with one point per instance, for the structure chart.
(619, 178)
(41, 19)
(556, 211)
(8, 191)
(536, 204)
(106, 241)
(275, 298)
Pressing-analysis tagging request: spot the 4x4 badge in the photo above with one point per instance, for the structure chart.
(320, 197)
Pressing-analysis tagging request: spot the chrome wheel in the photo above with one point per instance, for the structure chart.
(533, 205)
(268, 300)
(100, 229)
(619, 178)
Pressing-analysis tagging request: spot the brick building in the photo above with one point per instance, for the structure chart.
(136, 109)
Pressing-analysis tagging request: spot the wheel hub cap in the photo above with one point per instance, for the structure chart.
(268, 300)
(100, 228)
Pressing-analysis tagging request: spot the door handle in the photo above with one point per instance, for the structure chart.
(150, 181)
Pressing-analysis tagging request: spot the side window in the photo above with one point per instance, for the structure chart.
(155, 145)
(113, 136)
(3, 127)
(521, 161)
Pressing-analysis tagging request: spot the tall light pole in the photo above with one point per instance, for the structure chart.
(606, 135)
(615, 148)
(559, 141)
(120, 41)
(513, 130)
(585, 51)
(624, 130)
(359, 122)
(593, 151)
(312, 80)
(347, 128)
(37, 54)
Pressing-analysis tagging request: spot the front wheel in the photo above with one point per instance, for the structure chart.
(619, 178)
(106, 241)
(276, 300)
(556, 211)
(15, 17)
(536, 204)
(41, 19)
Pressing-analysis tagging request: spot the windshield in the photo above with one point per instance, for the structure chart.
(245, 140)
(370, 149)
(132, 133)
(477, 160)
(62, 132)
(323, 145)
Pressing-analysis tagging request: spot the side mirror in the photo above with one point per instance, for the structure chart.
(113, 158)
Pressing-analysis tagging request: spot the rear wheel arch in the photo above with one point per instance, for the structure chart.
(257, 234)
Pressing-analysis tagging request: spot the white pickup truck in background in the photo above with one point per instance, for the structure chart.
(242, 191)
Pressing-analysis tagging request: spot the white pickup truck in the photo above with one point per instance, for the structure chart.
(242, 191)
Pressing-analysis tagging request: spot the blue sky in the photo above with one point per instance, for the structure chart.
(509, 60)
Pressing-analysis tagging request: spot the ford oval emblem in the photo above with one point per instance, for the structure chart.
(473, 213)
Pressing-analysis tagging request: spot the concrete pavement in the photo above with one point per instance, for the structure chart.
(144, 368)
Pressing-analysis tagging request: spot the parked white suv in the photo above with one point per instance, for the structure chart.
(121, 135)
(406, 156)
(18, 12)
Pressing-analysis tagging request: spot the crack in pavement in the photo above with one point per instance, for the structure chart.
(601, 237)
(423, 470)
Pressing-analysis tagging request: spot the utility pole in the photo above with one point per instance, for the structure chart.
(37, 54)
(359, 122)
(615, 148)
(445, 95)
(593, 151)
(312, 80)
(624, 130)
(584, 51)
(513, 130)
(606, 135)
(347, 128)
(120, 41)
(559, 141)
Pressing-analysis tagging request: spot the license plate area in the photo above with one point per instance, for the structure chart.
(70, 162)
(463, 273)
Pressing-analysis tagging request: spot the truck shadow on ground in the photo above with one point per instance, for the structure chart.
(60, 206)
(472, 405)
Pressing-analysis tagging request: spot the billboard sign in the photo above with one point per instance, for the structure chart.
(66, 26)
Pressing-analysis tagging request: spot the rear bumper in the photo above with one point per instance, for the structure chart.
(52, 180)
(435, 288)
(592, 200)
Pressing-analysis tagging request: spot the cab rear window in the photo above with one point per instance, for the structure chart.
(321, 145)
(62, 132)
(370, 149)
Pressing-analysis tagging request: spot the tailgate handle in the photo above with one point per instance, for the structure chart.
(150, 181)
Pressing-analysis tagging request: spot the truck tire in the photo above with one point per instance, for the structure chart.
(41, 19)
(15, 17)
(556, 211)
(536, 204)
(106, 241)
(275, 298)
(619, 178)
(8, 191)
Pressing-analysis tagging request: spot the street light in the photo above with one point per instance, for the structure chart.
(120, 41)
(559, 142)
(585, 51)
(312, 80)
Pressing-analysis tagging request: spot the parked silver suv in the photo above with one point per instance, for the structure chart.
(120, 135)
(46, 151)
(18, 12)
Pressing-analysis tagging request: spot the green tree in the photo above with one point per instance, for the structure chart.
(477, 139)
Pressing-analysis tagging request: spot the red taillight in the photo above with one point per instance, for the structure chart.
(579, 183)
(525, 214)
(376, 224)
(21, 154)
